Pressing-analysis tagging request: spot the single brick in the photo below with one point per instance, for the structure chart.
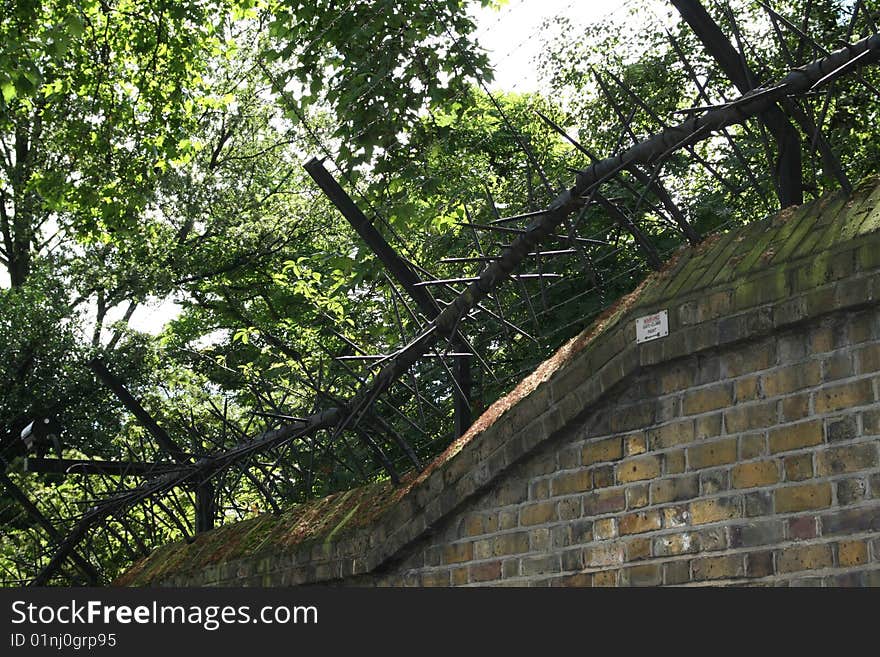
(675, 516)
(840, 429)
(724, 567)
(580, 580)
(798, 467)
(485, 572)
(758, 503)
(792, 378)
(635, 444)
(439, 578)
(537, 514)
(795, 436)
(707, 399)
(604, 501)
(506, 544)
(604, 554)
(806, 557)
(609, 449)
(847, 395)
(531, 566)
(459, 576)
(567, 483)
(868, 358)
(712, 454)
(603, 476)
(669, 435)
(851, 458)
(714, 481)
(644, 575)
(761, 532)
(637, 549)
(675, 544)
(707, 426)
(802, 498)
(674, 462)
(581, 531)
(850, 521)
(803, 528)
(637, 496)
(605, 578)
(852, 553)
(754, 474)
(539, 490)
(871, 423)
(750, 417)
(604, 529)
(481, 523)
(752, 446)
(838, 366)
(851, 491)
(795, 407)
(747, 389)
(677, 378)
(743, 361)
(569, 508)
(674, 489)
(759, 564)
(638, 469)
(539, 540)
(676, 572)
(637, 523)
(573, 560)
(458, 552)
(714, 510)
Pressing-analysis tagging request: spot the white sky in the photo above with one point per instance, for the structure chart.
(512, 36)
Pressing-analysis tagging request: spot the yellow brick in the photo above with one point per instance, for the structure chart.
(801, 498)
(850, 458)
(749, 417)
(798, 467)
(674, 462)
(711, 454)
(848, 395)
(852, 553)
(609, 449)
(794, 377)
(637, 469)
(747, 389)
(669, 435)
(724, 567)
(515, 543)
(638, 548)
(605, 578)
(807, 557)
(635, 444)
(795, 436)
(714, 510)
(757, 473)
(707, 399)
(604, 529)
(572, 482)
(537, 514)
(458, 552)
(637, 523)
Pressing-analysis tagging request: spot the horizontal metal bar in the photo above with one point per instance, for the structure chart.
(84, 466)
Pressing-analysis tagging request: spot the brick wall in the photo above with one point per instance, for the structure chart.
(758, 463)
(740, 448)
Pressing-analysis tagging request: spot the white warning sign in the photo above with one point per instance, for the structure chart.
(651, 327)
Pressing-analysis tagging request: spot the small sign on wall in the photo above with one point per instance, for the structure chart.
(651, 327)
